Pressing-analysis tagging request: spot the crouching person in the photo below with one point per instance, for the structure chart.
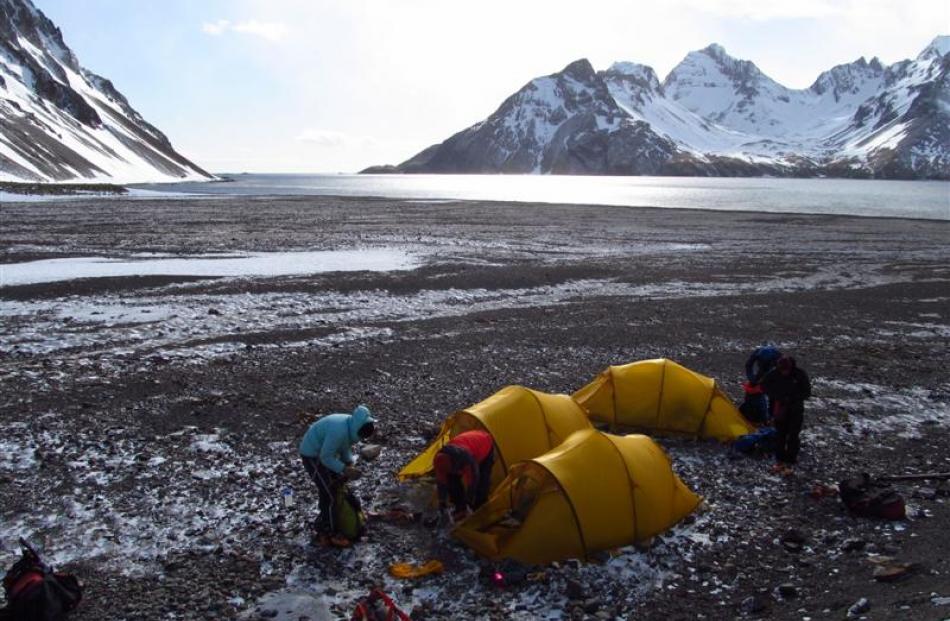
(326, 451)
(463, 472)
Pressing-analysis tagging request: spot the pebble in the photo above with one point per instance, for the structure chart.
(787, 591)
(858, 608)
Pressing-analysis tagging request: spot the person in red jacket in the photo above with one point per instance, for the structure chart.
(463, 471)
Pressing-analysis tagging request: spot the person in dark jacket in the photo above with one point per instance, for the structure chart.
(326, 452)
(788, 387)
(760, 361)
(463, 471)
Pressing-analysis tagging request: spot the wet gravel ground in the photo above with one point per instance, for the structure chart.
(146, 446)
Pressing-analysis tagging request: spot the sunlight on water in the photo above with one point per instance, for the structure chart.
(250, 264)
(906, 199)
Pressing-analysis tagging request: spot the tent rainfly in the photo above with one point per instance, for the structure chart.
(524, 423)
(661, 396)
(594, 492)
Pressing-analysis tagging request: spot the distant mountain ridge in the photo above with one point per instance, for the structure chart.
(714, 115)
(61, 122)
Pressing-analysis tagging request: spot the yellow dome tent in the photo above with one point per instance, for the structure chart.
(593, 492)
(524, 423)
(660, 396)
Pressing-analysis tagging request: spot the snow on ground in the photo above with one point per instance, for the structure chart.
(172, 319)
(145, 498)
(868, 409)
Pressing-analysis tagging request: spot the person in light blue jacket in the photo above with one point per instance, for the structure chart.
(326, 451)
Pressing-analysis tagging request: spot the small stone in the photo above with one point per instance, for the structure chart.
(892, 572)
(853, 544)
(859, 607)
(591, 605)
(213, 311)
(268, 613)
(370, 452)
(927, 493)
(751, 605)
(574, 590)
(788, 591)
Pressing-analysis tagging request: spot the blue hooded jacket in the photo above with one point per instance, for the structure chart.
(331, 437)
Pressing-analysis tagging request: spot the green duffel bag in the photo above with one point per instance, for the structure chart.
(350, 520)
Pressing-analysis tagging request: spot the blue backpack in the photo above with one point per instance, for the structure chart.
(761, 442)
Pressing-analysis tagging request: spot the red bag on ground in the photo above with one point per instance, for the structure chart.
(863, 499)
(34, 592)
(377, 606)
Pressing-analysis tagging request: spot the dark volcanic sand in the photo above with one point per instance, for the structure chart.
(148, 455)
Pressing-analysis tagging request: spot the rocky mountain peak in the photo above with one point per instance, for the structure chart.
(939, 47)
(848, 78)
(581, 70)
(713, 67)
(716, 51)
(22, 18)
(641, 75)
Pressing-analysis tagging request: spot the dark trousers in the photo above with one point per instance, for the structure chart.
(788, 427)
(327, 483)
(480, 493)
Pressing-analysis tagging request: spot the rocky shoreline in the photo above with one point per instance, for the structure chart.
(150, 423)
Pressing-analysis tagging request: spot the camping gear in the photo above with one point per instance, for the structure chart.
(761, 442)
(754, 406)
(408, 570)
(377, 606)
(35, 592)
(524, 424)
(348, 514)
(661, 396)
(865, 498)
(594, 492)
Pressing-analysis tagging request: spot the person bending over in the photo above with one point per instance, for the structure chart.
(463, 471)
(326, 452)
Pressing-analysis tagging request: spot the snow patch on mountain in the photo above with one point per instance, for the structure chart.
(62, 123)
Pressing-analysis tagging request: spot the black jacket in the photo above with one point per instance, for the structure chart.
(791, 389)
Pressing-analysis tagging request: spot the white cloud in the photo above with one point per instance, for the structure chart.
(271, 31)
(763, 10)
(334, 139)
(215, 28)
(323, 137)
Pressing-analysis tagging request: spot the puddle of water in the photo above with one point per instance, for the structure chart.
(259, 264)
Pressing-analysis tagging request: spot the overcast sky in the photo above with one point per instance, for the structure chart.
(338, 85)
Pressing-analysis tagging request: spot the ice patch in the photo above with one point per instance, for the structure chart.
(259, 264)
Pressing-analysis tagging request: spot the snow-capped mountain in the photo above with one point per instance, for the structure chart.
(715, 115)
(61, 122)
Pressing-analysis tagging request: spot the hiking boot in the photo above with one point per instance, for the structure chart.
(778, 468)
(339, 541)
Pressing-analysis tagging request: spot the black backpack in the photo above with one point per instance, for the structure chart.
(35, 592)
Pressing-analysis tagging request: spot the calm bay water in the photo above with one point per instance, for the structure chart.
(896, 199)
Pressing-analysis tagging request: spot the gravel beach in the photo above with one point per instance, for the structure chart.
(150, 422)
